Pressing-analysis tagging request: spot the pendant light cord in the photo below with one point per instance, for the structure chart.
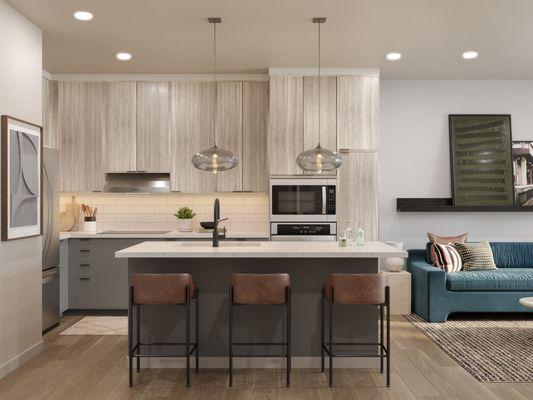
(319, 87)
(216, 89)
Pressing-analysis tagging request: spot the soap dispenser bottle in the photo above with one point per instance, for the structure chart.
(360, 236)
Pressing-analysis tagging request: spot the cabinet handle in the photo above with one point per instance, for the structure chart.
(85, 279)
(85, 250)
(85, 265)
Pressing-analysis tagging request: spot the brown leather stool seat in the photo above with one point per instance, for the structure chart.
(356, 289)
(255, 290)
(162, 290)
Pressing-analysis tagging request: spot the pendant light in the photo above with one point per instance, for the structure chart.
(215, 159)
(319, 159)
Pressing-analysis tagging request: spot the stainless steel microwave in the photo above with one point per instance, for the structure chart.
(303, 199)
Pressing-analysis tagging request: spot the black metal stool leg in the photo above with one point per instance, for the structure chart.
(322, 341)
(230, 337)
(188, 335)
(381, 341)
(130, 338)
(197, 333)
(138, 337)
(289, 333)
(387, 300)
(331, 337)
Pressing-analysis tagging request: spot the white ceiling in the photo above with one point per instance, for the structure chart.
(173, 36)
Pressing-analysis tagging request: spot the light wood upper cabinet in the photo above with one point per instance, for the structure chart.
(358, 112)
(82, 122)
(51, 113)
(254, 137)
(191, 131)
(328, 114)
(357, 192)
(286, 124)
(153, 126)
(119, 140)
(229, 132)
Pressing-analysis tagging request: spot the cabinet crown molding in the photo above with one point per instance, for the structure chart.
(324, 71)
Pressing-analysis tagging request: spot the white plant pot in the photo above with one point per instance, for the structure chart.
(185, 225)
(394, 264)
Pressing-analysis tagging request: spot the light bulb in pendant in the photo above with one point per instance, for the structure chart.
(214, 163)
(319, 163)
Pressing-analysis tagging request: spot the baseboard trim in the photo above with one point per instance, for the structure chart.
(21, 358)
(259, 362)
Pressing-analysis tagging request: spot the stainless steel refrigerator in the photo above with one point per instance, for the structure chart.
(50, 238)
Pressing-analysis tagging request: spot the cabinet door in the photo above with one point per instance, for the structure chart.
(358, 112)
(254, 137)
(191, 131)
(357, 197)
(119, 139)
(229, 132)
(328, 114)
(285, 138)
(51, 113)
(81, 112)
(153, 126)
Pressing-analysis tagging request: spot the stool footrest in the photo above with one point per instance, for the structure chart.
(380, 345)
(260, 355)
(193, 346)
(260, 343)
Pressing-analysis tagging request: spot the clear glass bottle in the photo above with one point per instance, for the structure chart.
(342, 239)
(360, 236)
(349, 234)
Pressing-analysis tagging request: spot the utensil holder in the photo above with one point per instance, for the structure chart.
(89, 224)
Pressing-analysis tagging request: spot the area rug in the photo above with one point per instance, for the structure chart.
(491, 350)
(96, 326)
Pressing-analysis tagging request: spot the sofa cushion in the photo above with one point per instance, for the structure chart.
(476, 256)
(507, 279)
(512, 254)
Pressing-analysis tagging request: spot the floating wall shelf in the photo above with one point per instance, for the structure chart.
(446, 205)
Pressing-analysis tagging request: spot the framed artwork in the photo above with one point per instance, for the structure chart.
(22, 149)
(523, 172)
(481, 160)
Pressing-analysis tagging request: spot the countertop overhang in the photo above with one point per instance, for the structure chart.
(170, 235)
(186, 249)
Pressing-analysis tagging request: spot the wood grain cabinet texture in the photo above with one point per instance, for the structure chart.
(191, 128)
(357, 192)
(119, 141)
(153, 127)
(286, 124)
(254, 137)
(51, 113)
(358, 112)
(81, 121)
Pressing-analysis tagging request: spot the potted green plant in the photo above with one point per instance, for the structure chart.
(185, 216)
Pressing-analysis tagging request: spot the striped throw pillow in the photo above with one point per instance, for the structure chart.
(476, 256)
(448, 258)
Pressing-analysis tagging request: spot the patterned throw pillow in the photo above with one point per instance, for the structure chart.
(476, 255)
(434, 239)
(448, 258)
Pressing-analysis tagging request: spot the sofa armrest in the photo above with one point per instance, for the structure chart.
(427, 282)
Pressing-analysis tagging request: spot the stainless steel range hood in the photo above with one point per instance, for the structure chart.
(137, 182)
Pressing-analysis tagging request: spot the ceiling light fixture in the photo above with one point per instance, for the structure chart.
(394, 56)
(124, 56)
(83, 15)
(470, 55)
(319, 159)
(215, 159)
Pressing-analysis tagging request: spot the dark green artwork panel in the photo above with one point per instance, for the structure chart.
(481, 160)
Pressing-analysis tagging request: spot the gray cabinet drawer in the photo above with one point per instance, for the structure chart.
(87, 292)
(86, 269)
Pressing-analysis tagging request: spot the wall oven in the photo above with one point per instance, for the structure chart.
(303, 199)
(303, 232)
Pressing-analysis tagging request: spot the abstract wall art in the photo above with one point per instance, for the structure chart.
(21, 179)
(481, 160)
(523, 173)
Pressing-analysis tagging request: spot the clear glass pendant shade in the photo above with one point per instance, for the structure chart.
(318, 160)
(215, 159)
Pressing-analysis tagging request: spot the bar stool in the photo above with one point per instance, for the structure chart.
(156, 290)
(260, 289)
(356, 289)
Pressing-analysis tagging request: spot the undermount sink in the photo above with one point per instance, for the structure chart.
(221, 244)
(134, 232)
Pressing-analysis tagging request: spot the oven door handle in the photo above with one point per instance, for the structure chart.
(324, 199)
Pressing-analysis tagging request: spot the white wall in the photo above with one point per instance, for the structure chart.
(20, 260)
(414, 154)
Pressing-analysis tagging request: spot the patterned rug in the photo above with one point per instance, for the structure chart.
(96, 326)
(491, 350)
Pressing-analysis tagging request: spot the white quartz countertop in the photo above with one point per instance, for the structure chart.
(170, 235)
(258, 250)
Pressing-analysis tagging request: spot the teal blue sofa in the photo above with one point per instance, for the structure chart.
(436, 294)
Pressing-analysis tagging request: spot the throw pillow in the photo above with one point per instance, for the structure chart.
(476, 256)
(435, 239)
(448, 258)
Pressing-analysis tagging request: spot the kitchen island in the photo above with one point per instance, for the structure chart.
(309, 265)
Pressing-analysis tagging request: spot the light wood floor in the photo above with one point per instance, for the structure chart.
(93, 367)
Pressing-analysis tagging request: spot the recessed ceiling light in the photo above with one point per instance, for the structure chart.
(394, 56)
(124, 56)
(83, 15)
(470, 55)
